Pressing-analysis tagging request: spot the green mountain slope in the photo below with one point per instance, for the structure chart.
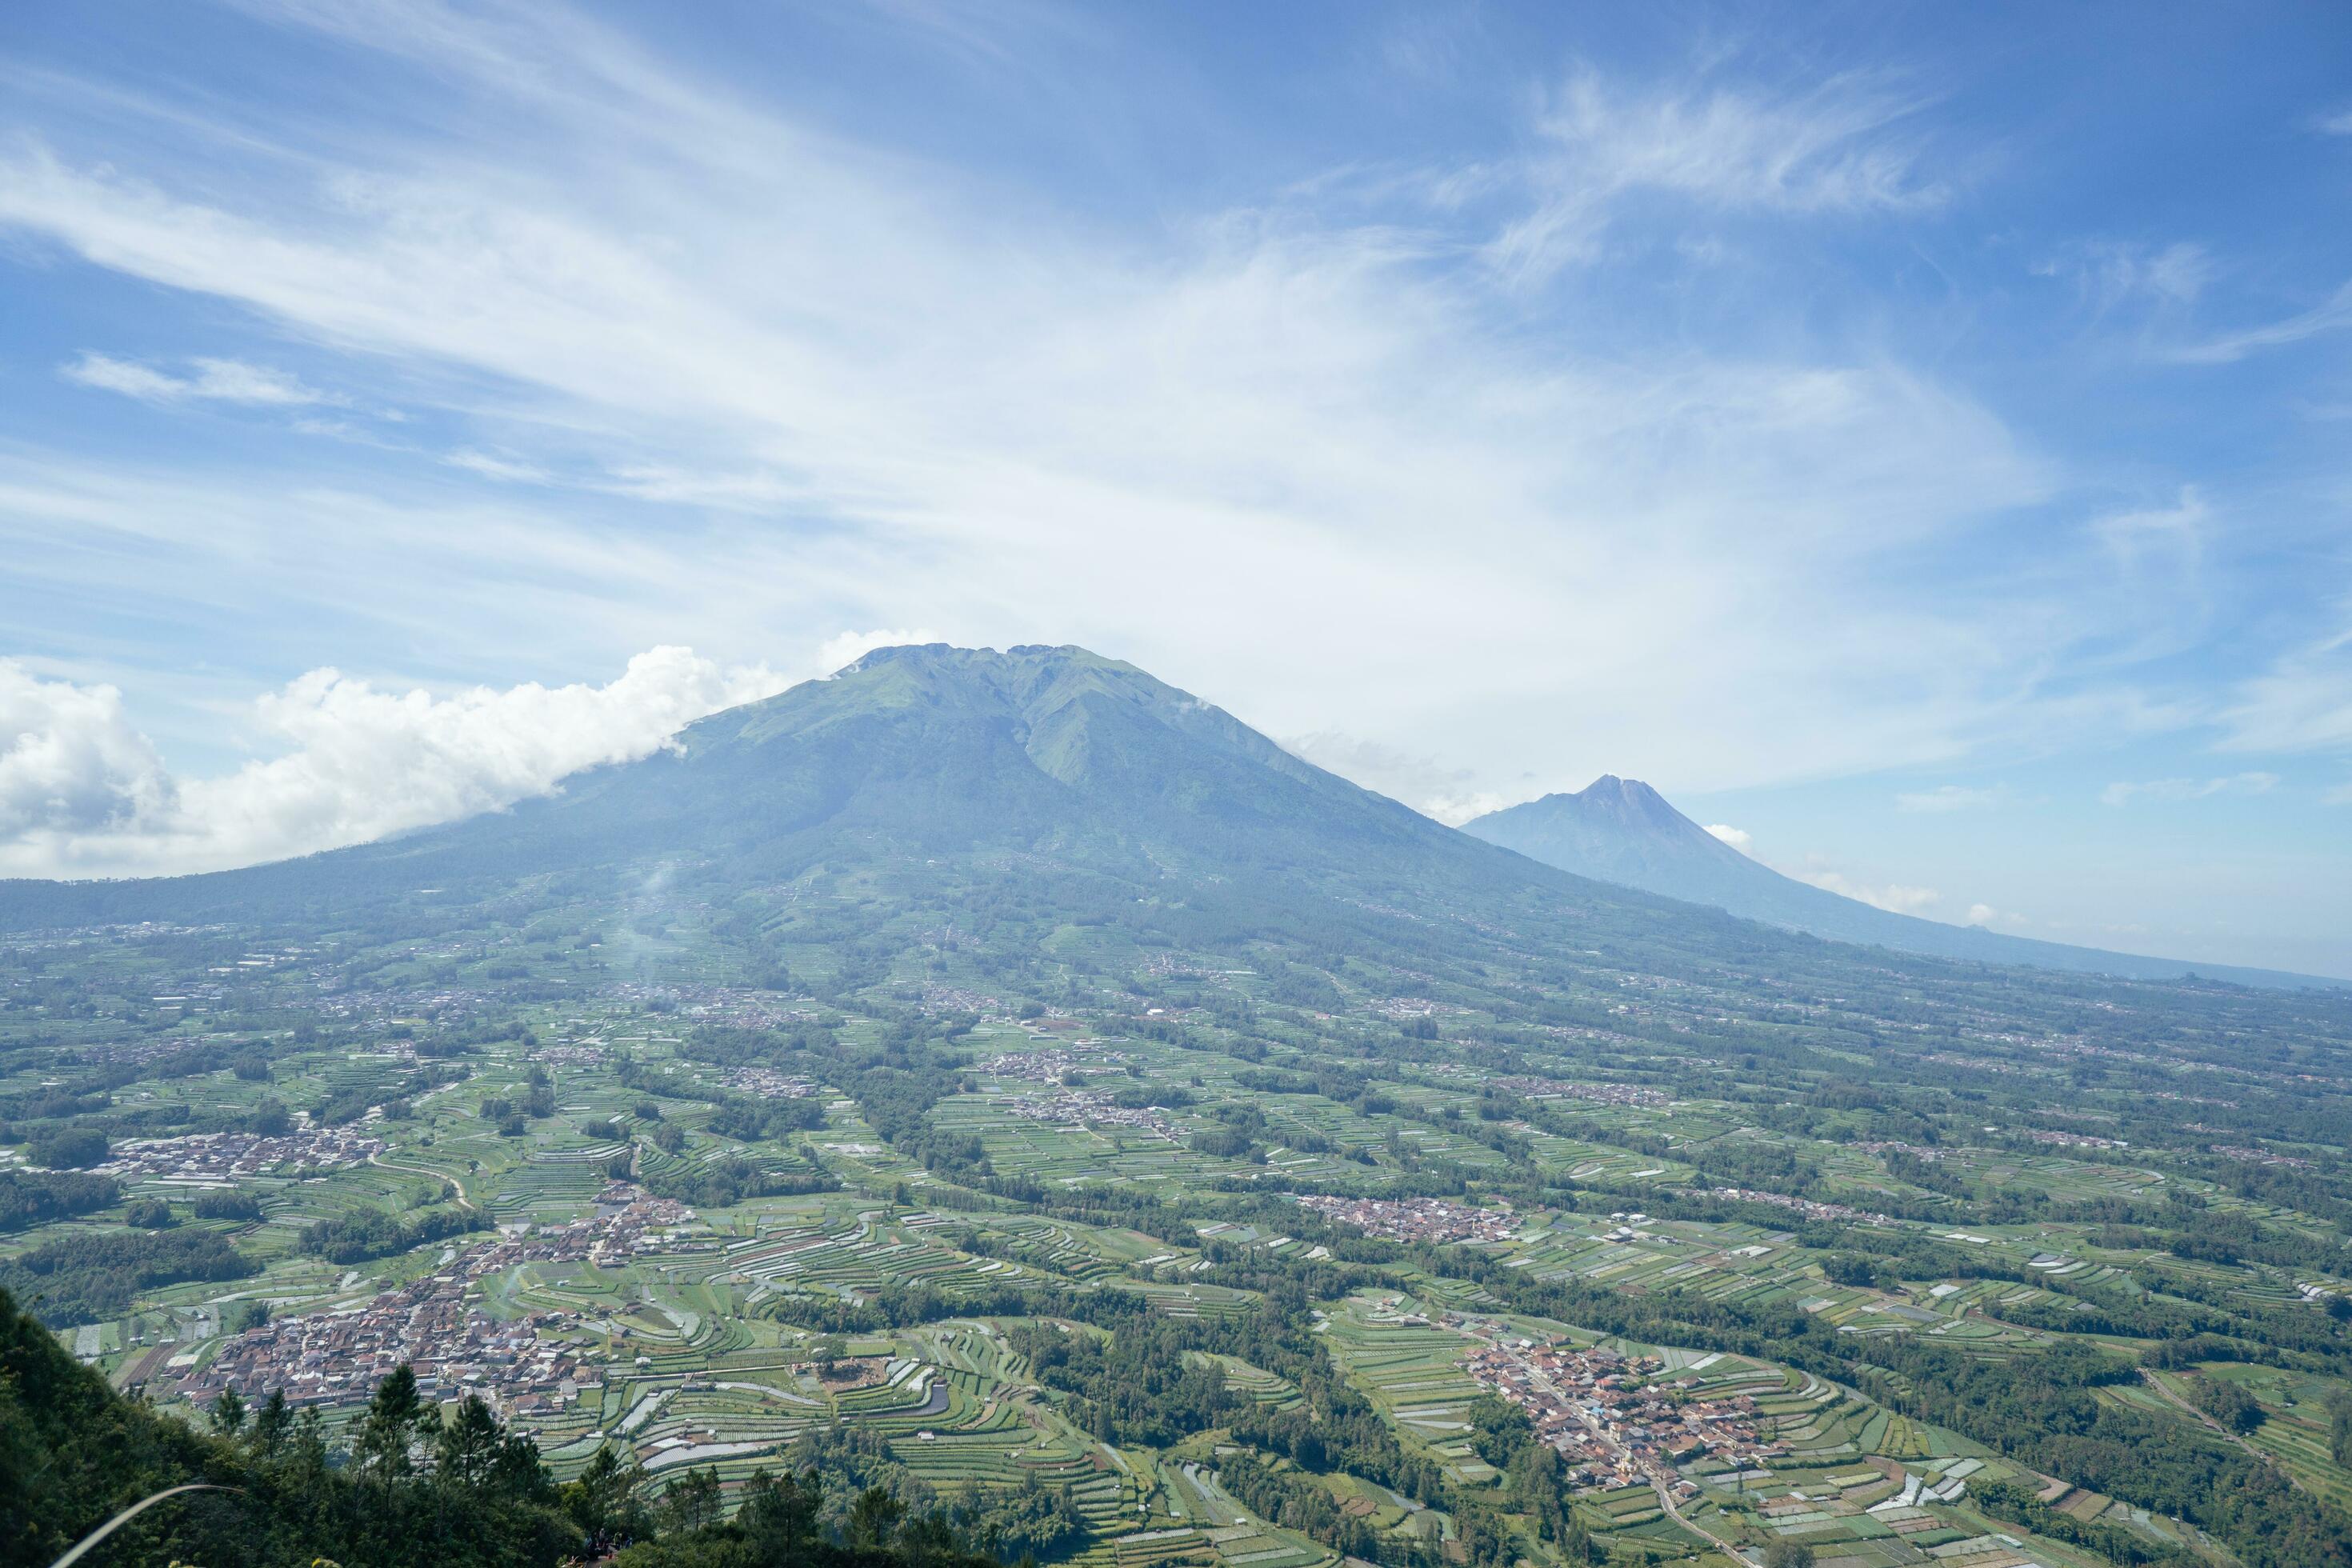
(942, 767)
(1077, 765)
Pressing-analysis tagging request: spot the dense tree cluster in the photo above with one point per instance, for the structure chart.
(29, 1198)
(93, 1275)
(367, 1233)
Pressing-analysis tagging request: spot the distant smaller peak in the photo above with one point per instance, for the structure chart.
(1630, 789)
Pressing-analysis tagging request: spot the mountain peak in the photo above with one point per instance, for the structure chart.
(1621, 830)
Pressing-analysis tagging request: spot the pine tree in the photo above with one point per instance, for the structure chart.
(388, 1431)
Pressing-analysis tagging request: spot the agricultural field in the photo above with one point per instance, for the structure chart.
(1171, 1267)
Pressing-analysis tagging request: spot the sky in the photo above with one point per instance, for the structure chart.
(1916, 438)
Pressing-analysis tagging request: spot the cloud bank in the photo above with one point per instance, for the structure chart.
(84, 794)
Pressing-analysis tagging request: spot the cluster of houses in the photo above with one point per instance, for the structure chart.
(1896, 1146)
(1618, 1419)
(1598, 1093)
(532, 1363)
(1049, 1066)
(2258, 1156)
(1416, 1219)
(767, 1083)
(2071, 1140)
(1090, 1108)
(212, 1158)
(521, 1365)
(1810, 1208)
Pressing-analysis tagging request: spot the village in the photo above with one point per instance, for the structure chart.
(1614, 1418)
(1048, 1066)
(1598, 1093)
(532, 1363)
(1810, 1208)
(1090, 1108)
(1416, 1219)
(211, 1158)
(767, 1083)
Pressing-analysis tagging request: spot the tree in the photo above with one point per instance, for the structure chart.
(388, 1431)
(692, 1501)
(469, 1443)
(874, 1516)
(229, 1414)
(603, 1502)
(1786, 1553)
(272, 1424)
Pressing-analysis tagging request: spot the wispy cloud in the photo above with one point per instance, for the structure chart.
(1029, 424)
(208, 381)
(1895, 898)
(2332, 315)
(1836, 147)
(1952, 797)
(1450, 794)
(2300, 702)
(1738, 838)
(2111, 273)
(490, 466)
(2177, 791)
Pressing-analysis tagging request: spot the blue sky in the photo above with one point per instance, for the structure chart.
(1912, 436)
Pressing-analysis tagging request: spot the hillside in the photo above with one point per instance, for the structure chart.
(925, 776)
(911, 754)
(1005, 1087)
(1623, 831)
(937, 768)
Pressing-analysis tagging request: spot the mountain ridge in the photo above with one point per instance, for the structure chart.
(927, 764)
(1621, 831)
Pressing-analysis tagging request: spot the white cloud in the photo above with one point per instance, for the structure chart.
(2333, 314)
(2303, 702)
(2340, 794)
(775, 377)
(1830, 148)
(1985, 915)
(214, 381)
(2336, 124)
(1952, 797)
(2109, 273)
(72, 762)
(1449, 794)
(1738, 838)
(1893, 897)
(2176, 791)
(83, 793)
(493, 466)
